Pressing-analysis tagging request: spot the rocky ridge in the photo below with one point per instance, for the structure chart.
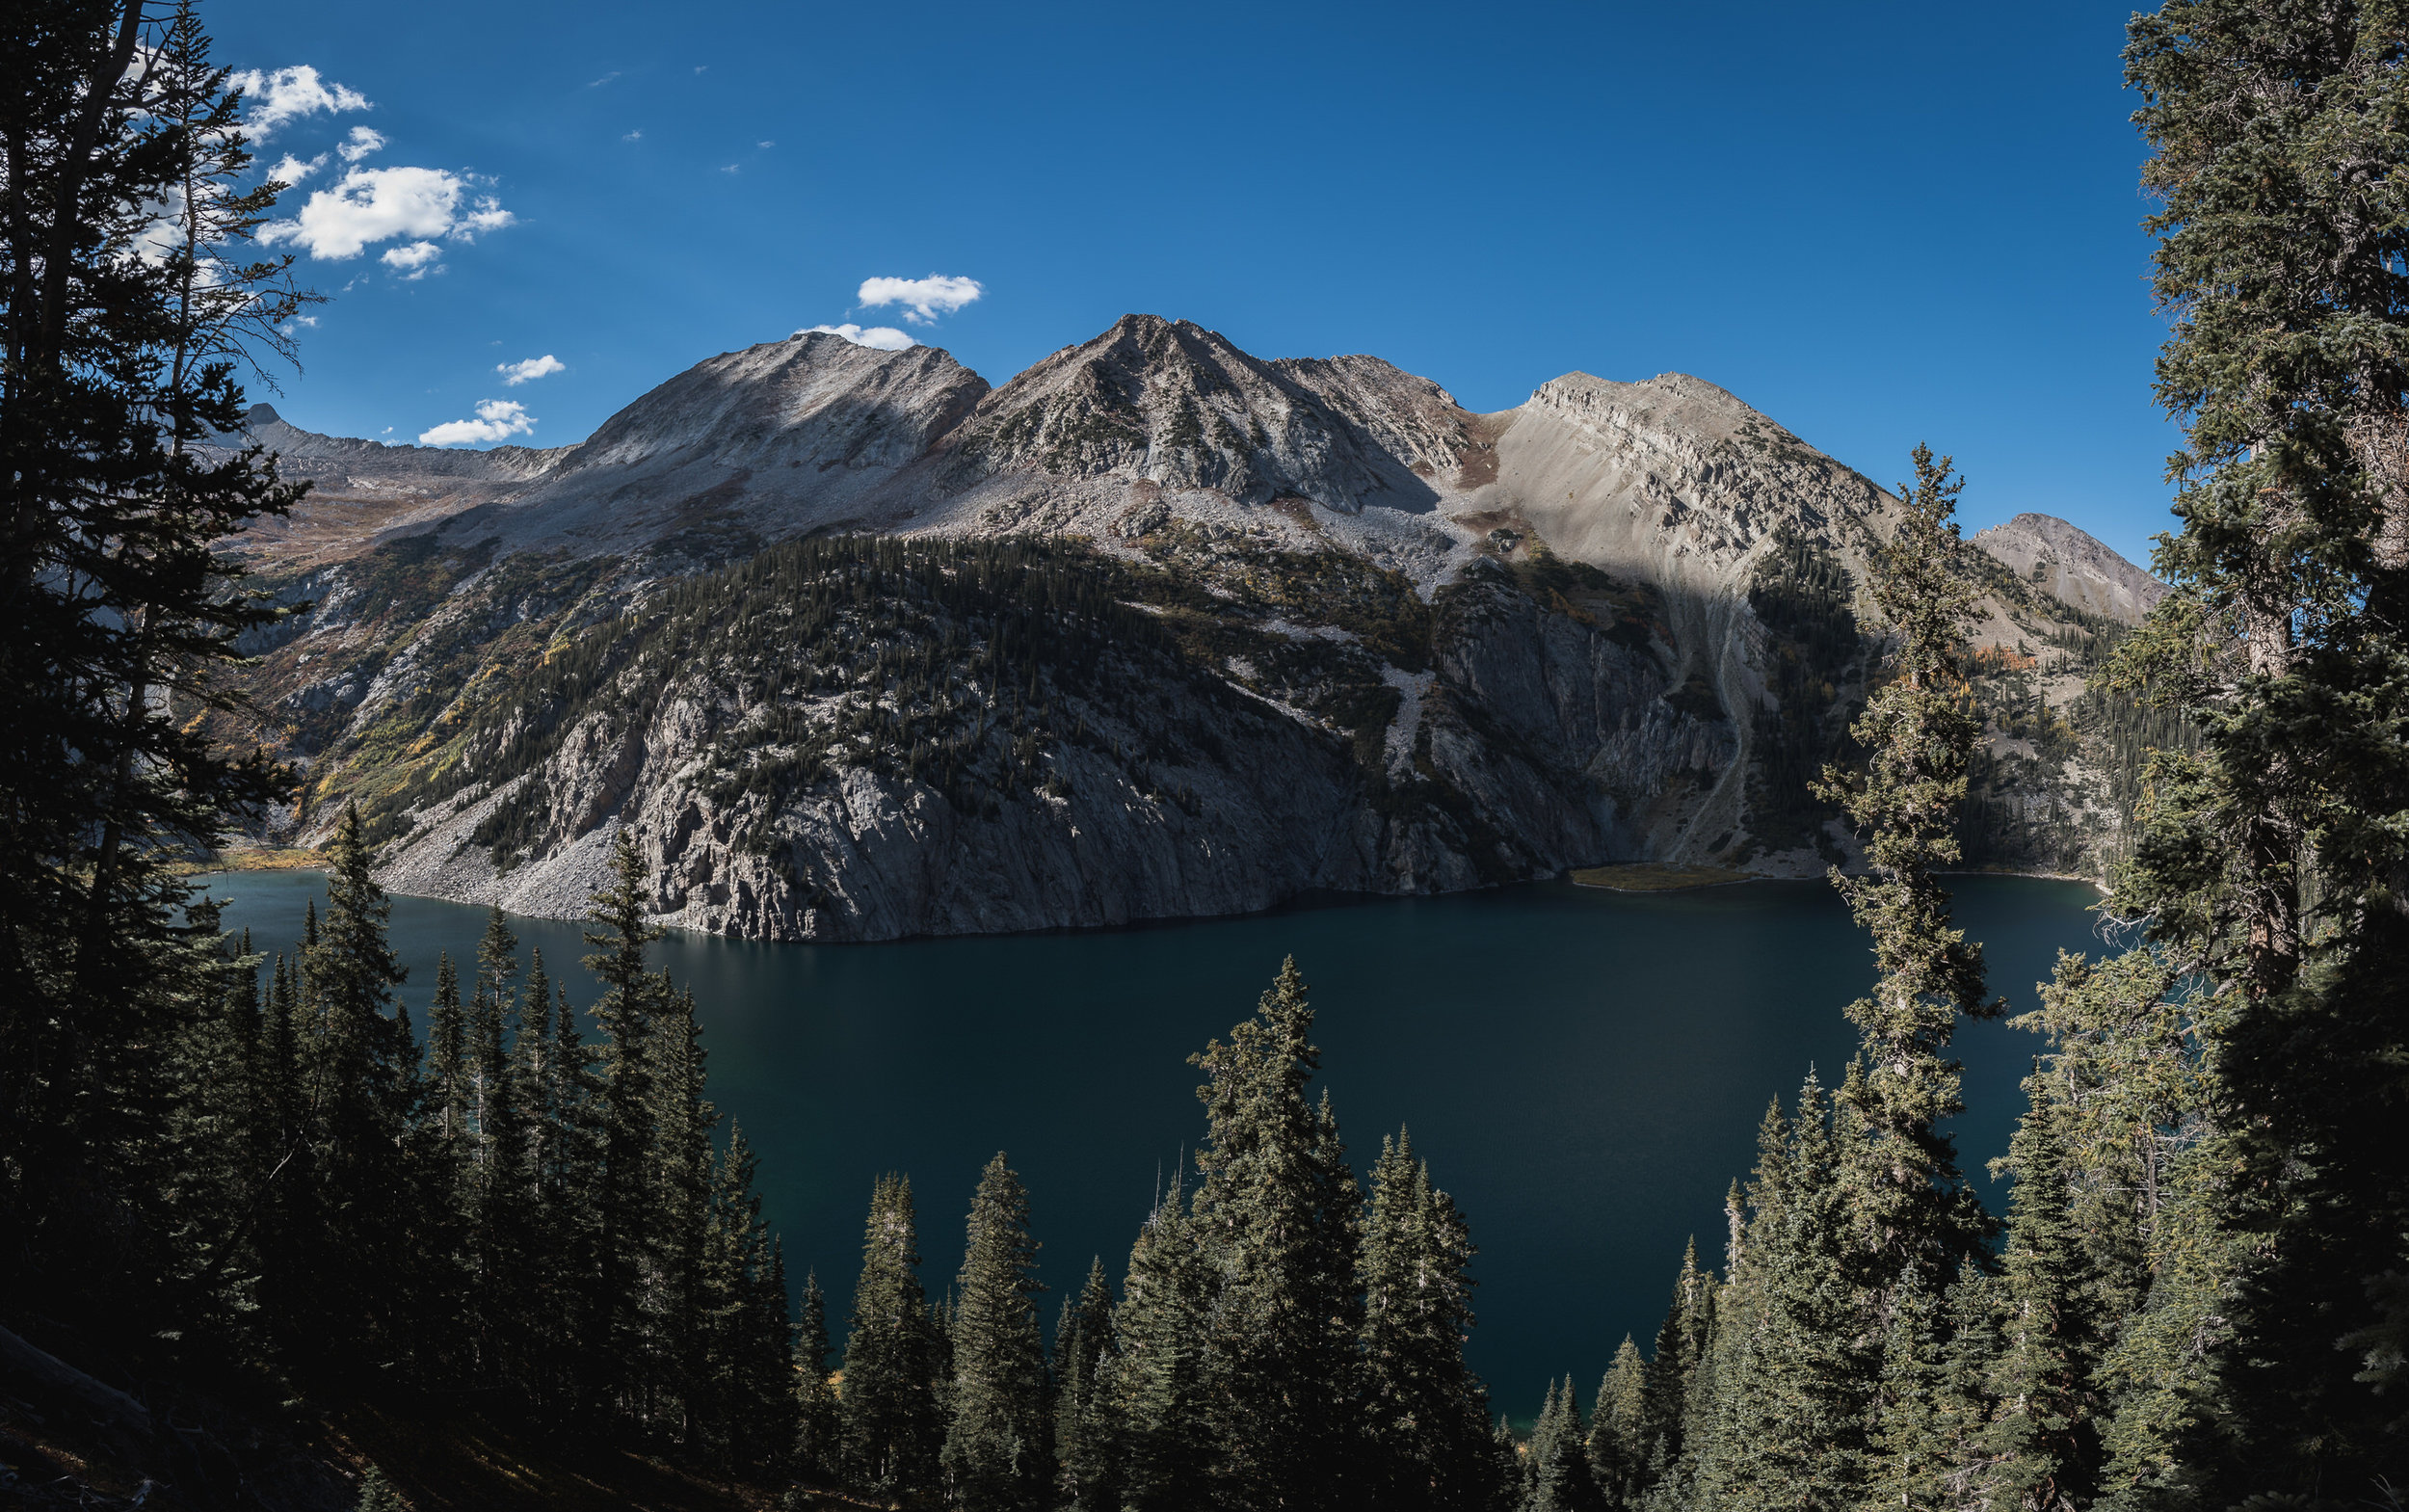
(1403, 646)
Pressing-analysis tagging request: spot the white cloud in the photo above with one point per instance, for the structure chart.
(886, 338)
(514, 374)
(411, 260)
(363, 141)
(633, 135)
(290, 170)
(376, 204)
(923, 299)
(498, 420)
(605, 79)
(290, 94)
(765, 145)
(729, 168)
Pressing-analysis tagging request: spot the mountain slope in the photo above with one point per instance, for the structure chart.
(858, 647)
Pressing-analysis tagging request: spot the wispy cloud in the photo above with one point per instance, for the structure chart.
(633, 135)
(923, 299)
(605, 79)
(362, 143)
(514, 374)
(498, 420)
(886, 338)
(287, 94)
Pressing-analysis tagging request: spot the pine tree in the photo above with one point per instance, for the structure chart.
(1274, 1216)
(1083, 1443)
(447, 1066)
(358, 1080)
(741, 1399)
(677, 1215)
(1618, 1445)
(998, 1454)
(818, 1424)
(890, 1421)
(376, 1494)
(1426, 1442)
(1794, 1416)
(119, 611)
(1681, 1346)
(1166, 1457)
(2271, 862)
(1556, 1473)
(1919, 731)
(2043, 1440)
(625, 1189)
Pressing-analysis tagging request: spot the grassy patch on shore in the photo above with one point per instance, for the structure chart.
(1650, 876)
(256, 857)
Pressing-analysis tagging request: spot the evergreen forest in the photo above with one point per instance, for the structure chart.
(280, 1230)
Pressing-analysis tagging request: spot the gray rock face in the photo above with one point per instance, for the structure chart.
(2067, 562)
(1466, 723)
(1175, 405)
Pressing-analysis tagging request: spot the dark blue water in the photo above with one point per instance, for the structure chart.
(1583, 1069)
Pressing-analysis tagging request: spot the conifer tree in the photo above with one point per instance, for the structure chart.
(1166, 1456)
(2271, 863)
(358, 1080)
(2043, 1442)
(1084, 1343)
(1426, 1442)
(1618, 1452)
(447, 1067)
(998, 1454)
(742, 1402)
(1794, 1420)
(818, 1426)
(1556, 1473)
(1681, 1346)
(892, 1430)
(626, 1185)
(1919, 731)
(678, 1212)
(1276, 1216)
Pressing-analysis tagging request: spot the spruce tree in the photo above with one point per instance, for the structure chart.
(1084, 1344)
(1618, 1445)
(1556, 1473)
(359, 1080)
(1919, 731)
(2043, 1442)
(2271, 863)
(1160, 1422)
(1426, 1441)
(676, 1218)
(818, 1425)
(1275, 1215)
(130, 288)
(998, 1454)
(891, 1428)
(1795, 1416)
(625, 1187)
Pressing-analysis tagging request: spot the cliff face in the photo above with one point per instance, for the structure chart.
(857, 647)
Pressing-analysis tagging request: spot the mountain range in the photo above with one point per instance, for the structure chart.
(857, 646)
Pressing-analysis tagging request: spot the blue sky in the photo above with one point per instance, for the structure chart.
(1879, 224)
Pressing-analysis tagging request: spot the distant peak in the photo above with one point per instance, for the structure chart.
(261, 415)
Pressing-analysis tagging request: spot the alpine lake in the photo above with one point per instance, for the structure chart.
(1583, 1069)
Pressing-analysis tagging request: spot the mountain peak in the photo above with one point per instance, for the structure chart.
(1173, 404)
(2071, 563)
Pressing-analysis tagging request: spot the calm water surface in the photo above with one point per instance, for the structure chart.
(1583, 1069)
